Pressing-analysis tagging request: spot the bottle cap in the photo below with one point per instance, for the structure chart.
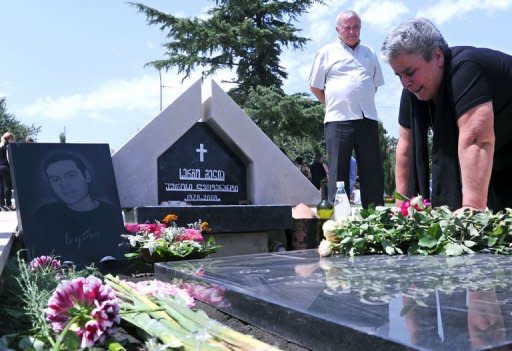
(340, 184)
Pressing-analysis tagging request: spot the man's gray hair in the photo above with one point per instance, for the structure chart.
(414, 36)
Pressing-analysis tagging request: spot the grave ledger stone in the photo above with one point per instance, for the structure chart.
(363, 303)
(67, 201)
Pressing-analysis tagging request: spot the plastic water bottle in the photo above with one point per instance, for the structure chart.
(341, 202)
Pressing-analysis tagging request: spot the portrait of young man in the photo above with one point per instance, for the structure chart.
(73, 208)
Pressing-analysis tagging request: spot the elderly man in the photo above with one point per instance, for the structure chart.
(345, 76)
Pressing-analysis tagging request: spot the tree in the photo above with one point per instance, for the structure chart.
(247, 36)
(293, 122)
(62, 137)
(9, 123)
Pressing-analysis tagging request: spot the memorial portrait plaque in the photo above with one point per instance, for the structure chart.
(200, 169)
(67, 201)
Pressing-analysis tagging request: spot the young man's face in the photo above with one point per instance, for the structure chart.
(68, 182)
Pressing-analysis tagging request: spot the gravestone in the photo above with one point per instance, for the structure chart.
(67, 201)
(200, 157)
(364, 302)
(270, 177)
(200, 169)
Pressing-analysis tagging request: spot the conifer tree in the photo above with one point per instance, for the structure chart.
(247, 36)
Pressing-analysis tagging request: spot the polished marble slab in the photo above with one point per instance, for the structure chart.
(365, 302)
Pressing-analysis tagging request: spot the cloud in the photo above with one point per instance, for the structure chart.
(445, 10)
(140, 93)
(382, 14)
(109, 98)
(319, 21)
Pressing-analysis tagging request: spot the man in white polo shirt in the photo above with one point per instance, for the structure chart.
(345, 76)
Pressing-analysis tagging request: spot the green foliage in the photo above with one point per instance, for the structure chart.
(247, 36)
(8, 123)
(427, 232)
(293, 122)
(62, 137)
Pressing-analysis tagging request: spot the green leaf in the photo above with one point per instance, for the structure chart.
(427, 241)
(115, 346)
(469, 243)
(453, 249)
(399, 196)
(491, 241)
(31, 343)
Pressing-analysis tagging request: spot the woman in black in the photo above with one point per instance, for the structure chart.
(464, 95)
(5, 173)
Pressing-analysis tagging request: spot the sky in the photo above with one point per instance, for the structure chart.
(79, 66)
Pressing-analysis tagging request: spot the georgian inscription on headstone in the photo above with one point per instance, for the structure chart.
(201, 169)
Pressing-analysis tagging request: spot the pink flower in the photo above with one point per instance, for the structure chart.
(190, 234)
(155, 229)
(427, 203)
(160, 289)
(132, 227)
(404, 209)
(43, 262)
(213, 295)
(147, 228)
(94, 304)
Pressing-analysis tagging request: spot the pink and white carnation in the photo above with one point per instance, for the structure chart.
(417, 203)
(44, 262)
(93, 306)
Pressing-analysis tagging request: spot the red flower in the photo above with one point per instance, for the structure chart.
(404, 209)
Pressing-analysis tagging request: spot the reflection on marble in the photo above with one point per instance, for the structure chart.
(365, 302)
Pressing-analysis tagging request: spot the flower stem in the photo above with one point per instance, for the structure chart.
(62, 335)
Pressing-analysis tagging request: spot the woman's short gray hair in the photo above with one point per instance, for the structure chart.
(414, 36)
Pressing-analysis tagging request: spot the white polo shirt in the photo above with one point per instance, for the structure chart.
(349, 79)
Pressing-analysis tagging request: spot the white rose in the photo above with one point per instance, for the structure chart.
(328, 229)
(340, 222)
(324, 249)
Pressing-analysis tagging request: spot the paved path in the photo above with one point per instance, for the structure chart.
(8, 224)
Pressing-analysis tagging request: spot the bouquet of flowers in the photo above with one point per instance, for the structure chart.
(47, 305)
(419, 229)
(166, 241)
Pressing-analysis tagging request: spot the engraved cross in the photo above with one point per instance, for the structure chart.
(201, 151)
